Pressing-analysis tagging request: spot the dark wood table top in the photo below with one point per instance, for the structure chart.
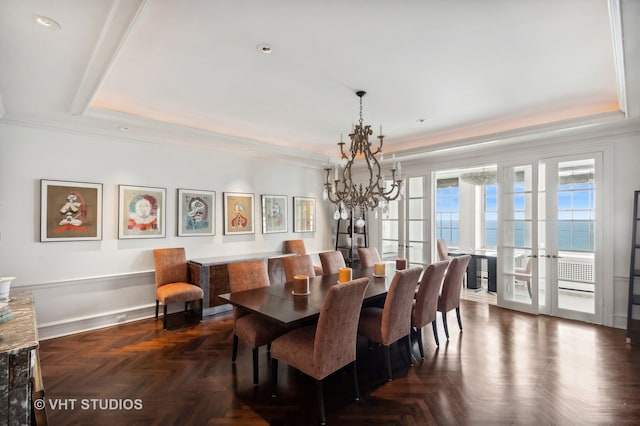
(277, 302)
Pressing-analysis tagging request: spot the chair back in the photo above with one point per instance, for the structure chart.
(452, 284)
(295, 246)
(170, 266)
(443, 249)
(336, 333)
(368, 256)
(331, 261)
(297, 265)
(246, 275)
(396, 313)
(426, 306)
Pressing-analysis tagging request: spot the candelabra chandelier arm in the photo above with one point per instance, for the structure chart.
(343, 190)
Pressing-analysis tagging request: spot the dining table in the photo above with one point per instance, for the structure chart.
(278, 303)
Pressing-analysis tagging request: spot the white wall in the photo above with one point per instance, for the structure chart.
(86, 284)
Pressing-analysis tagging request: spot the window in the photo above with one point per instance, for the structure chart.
(448, 211)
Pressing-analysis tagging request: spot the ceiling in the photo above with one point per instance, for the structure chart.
(436, 73)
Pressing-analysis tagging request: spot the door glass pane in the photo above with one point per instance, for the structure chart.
(576, 236)
(517, 211)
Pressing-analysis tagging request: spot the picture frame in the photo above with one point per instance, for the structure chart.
(70, 211)
(141, 212)
(238, 213)
(304, 214)
(196, 212)
(274, 214)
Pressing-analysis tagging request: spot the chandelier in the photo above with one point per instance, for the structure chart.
(343, 190)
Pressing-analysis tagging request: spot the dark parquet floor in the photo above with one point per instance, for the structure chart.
(505, 368)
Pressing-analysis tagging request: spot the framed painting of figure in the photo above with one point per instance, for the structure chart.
(238, 213)
(141, 212)
(196, 212)
(70, 211)
(304, 214)
(274, 214)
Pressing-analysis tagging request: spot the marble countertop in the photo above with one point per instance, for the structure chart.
(20, 333)
(221, 260)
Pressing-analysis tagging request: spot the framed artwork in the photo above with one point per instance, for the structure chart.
(274, 214)
(141, 212)
(304, 214)
(196, 212)
(238, 213)
(70, 211)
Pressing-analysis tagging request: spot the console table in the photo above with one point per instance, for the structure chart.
(19, 366)
(212, 275)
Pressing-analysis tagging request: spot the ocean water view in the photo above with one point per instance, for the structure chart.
(573, 235)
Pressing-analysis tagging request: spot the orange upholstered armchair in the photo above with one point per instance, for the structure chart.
(450, 295)
(392, 322)
(172, 281)
(297, 247)
(425, 308)
(319, 350)
(250, 327)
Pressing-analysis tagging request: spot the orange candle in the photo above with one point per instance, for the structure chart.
(344, 275)
(301, 284)
(379, 268)
(401, 264)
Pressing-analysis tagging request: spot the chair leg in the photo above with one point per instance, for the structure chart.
(407, 340)
(320, 393)
(164, 317)
(234, 352)
(274, 377)
(420, 348)
(356, 389)
(435, 332)
(459, 318)
(186, 307)
(387, 357)
(201, 310)
(268, 347)
(157, 306)
(444, 323)
(529, 288)
(255, 366)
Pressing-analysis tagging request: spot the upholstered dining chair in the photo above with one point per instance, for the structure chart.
(443, 249)
(368, 256)
(250, 327)
(331, 262)
(451, 286)
(298, 247)
(392, 322)
(297, 265)
(425, 307)
(320, 350)
(172, 281)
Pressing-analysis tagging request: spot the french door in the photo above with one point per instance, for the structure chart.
(549, 216)
(405, 224)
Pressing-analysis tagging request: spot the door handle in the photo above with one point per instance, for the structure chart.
(535, 256)
(556, 257)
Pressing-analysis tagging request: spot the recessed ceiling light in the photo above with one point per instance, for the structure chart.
(124, 129)
(420, 120)
(46, 22)
(264, 48)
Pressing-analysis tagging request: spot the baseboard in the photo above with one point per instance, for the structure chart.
(82, 324)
